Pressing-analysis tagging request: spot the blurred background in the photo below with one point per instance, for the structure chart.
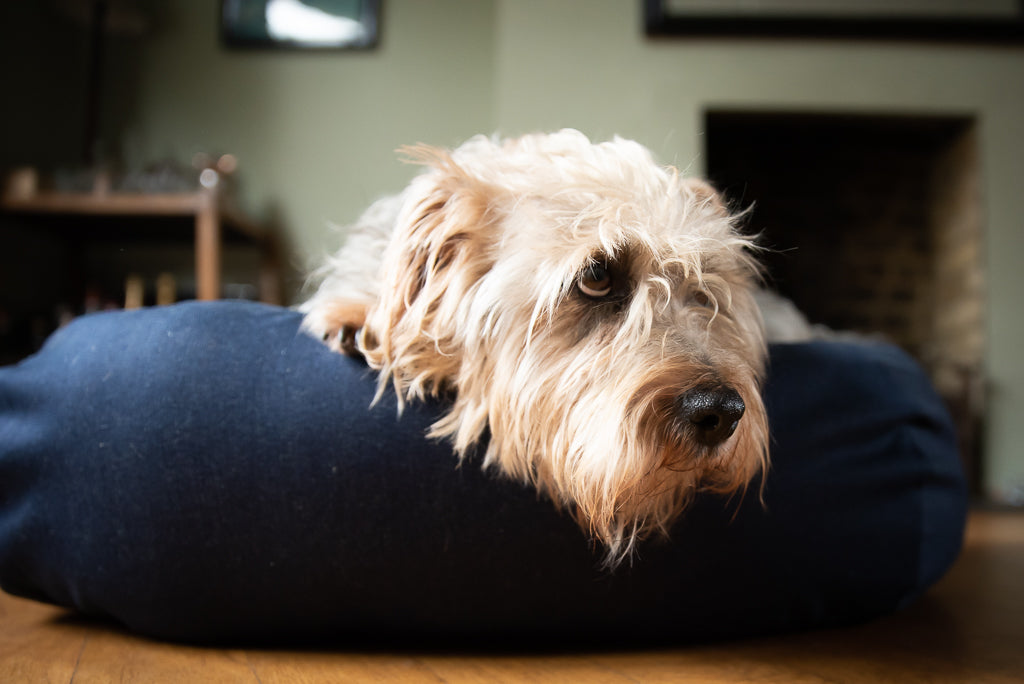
(885, 167)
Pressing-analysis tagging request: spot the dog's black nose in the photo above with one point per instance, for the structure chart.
(710, 413)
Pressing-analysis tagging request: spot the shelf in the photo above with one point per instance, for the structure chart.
(205, 207)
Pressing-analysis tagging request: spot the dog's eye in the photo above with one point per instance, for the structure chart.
(701, 298)
(595, 281)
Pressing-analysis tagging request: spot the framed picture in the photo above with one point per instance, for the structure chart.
(300, 24)
(927, 20)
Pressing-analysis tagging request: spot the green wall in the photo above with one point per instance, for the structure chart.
(315, 132)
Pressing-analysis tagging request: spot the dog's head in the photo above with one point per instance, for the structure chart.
(591, 310)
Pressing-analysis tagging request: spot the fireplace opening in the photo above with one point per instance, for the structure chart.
(873, 224)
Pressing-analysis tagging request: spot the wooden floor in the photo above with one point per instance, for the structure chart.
(969, 628)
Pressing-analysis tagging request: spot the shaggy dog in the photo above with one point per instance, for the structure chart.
(590, 313)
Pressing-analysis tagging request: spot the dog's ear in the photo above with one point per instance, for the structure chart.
(444, 229)
(440, 249)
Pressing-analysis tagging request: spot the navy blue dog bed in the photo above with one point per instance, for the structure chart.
(208, 473)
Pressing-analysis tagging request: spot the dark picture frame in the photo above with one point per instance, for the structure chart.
(300, 24)
(991, 21)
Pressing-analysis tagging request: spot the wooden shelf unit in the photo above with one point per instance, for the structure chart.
(211, 215)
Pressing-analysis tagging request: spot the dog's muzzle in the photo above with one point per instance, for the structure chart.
(710, 413)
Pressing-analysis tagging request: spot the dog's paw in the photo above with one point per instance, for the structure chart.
(337, 323)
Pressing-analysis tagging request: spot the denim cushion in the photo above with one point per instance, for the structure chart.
(206, 472)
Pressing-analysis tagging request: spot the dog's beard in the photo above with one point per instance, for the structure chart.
(596, 427)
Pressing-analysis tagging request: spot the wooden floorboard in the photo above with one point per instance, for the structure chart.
(969, 628)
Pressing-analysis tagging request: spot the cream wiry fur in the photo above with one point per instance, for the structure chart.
(589, 310)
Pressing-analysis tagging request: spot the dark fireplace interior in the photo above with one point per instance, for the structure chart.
(874, 226)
